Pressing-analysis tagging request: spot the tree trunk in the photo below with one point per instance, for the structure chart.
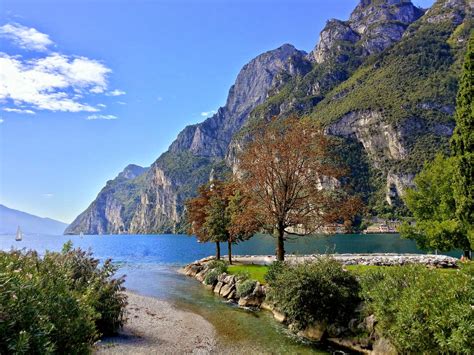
(280, 244)
(218, 251)
(229, 247)
(467, 254)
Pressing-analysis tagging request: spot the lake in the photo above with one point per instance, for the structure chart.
(151, 262)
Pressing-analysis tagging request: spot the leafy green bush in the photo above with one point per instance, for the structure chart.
(218, 265)
(245, 288)
(420, 310)
(61, 303)
(319, 291)
(211, 277)
(275, 269)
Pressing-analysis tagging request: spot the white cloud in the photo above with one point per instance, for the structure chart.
(121, 103)
(116, 92)
(208, 113)
(102, 105)
(1, 120)
(55, 82)
(25, 37)
(102, 117)
(159, 98)
(19, 110)
(48, 195)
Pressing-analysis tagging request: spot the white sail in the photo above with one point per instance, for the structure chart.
(19, 234)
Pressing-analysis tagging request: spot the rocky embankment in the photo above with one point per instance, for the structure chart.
(383, 259)
(255, 295)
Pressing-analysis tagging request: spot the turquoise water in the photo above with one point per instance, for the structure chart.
(151, 262)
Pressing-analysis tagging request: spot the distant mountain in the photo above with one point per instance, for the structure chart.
(384, 82)
(10, 219)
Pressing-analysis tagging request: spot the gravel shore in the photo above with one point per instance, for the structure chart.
(156, 327)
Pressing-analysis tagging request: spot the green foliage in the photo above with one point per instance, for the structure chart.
(219, 265)
(319, 291)
(59, 303)
(433, 207)
(245, 287)
(274, 270)
(217, 220)
(463, 146)
(420, 310)
(211, 277)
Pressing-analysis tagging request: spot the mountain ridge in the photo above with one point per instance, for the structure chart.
(11, 218)
(288, 81)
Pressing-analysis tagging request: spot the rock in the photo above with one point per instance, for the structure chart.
(370, 323)
(232, 294)
(230, 279)
(217, 288)
(316, 332)
(226, 290)
(222, 277)
(267, 306)
(279, 316)
(250, 301)
(382, 346)
(201, 275)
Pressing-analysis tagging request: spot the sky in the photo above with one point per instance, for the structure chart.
(88, 87)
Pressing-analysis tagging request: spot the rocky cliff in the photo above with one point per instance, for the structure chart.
(384, 82)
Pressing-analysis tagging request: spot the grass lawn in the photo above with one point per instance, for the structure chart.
(256, 272)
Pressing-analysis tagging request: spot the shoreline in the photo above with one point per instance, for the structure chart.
(155, 326)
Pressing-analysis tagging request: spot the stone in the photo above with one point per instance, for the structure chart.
(370, 323)
(218, 287)
(222, 277)
(279, 316)
(232, 295)
(315, 332)
(201, 275)
(382, 346)
(226, 290)
(230, 279)
(250, 301)
(267, 306)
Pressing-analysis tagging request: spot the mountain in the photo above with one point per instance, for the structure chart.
(383, 82)
(10, 219)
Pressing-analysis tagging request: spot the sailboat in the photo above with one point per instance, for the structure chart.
(19, 234)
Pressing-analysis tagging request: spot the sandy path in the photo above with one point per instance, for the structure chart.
(156, 327)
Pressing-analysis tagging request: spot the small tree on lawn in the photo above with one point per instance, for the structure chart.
(434, 209)
(290, 178)
(463, 146)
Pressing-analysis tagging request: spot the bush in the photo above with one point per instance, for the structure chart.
(218, 265)
(275, 269)
(420, 310)
(62, 302)
(211, 277)
(245, 288)
(320, 291)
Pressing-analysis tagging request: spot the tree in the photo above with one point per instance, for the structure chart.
(434, 208)
(290, 179)
(196, 213)
(213, 215)
(462, 144)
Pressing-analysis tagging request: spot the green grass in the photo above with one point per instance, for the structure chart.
(256, 272)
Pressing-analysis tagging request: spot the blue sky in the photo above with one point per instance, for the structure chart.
(96, 85)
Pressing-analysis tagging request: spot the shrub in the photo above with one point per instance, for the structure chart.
(420, 310)
(218, 265)
(245, 288)
(59, 303)
(211, 277)
(275, 269)
(319, 291)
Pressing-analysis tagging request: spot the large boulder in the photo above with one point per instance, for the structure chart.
(226, 290)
